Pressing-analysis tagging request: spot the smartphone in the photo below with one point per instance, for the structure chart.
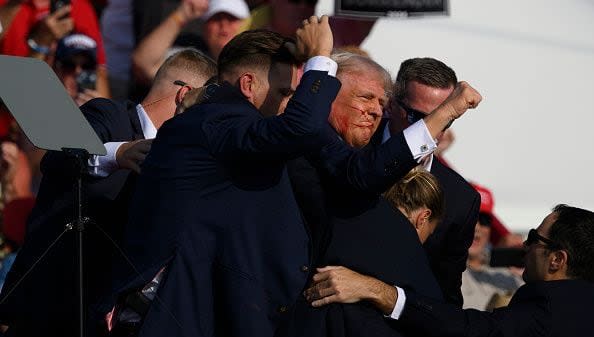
(86, 80)
(57, 4)
(507, 257)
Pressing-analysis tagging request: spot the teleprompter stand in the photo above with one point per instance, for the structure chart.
(51, 120)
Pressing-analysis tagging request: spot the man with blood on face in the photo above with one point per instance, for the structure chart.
(357, 110)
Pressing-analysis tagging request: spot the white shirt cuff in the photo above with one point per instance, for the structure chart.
(321, 63)
(419, 140)
(400, 302)
(103, 166)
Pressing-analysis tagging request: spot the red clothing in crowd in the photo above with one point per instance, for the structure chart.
(498, 229)
(15, 37)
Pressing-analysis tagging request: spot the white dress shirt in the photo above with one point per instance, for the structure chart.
(419, 141)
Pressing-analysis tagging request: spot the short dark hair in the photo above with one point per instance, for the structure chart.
(256, 49)
(192, 61)
(425, 70)
(573, 231)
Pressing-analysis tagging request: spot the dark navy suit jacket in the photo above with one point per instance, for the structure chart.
(447, 247)
(45, 302)
(215, 206)
(380, 243)
(544, 308)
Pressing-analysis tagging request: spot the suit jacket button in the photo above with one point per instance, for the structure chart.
(282, 309)
(304, 269)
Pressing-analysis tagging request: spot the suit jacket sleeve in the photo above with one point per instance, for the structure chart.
(297, 130)
(434, 318)
(372, 169)
(105, 118)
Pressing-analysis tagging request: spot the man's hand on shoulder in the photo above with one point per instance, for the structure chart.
(131, 155)
(314, 38)
(337, 284)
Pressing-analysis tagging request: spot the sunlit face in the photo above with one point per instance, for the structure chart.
(219, 30)
(419, 97)
(537, 255)
(357, 110)
(480, 241)
(275, 90)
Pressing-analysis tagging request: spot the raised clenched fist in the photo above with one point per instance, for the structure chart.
(463, 97)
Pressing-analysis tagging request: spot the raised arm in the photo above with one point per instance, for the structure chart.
(300, 127)
(375, 168)
(150, 52)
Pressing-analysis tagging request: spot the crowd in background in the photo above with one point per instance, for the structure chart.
(115, 48)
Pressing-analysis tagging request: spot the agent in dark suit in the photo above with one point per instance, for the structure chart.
(214, 205)
(422, 84)
(555, 301)
(45, 301)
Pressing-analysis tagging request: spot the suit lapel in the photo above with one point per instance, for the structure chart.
(134, 121)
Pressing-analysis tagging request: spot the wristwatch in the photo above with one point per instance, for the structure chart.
(44, 50)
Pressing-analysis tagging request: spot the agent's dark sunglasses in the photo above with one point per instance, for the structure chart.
(412, 115)
(534, 237)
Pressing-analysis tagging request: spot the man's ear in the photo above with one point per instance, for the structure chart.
(248, 84)
(189, 98)
(558, 260)
(181, 93)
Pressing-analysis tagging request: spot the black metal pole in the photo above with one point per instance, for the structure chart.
(80, 227)
(80, 158)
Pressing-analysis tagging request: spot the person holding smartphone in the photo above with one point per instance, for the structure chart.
(38, 25)
(76, 66)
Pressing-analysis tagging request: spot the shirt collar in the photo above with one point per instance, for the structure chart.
(148, 128)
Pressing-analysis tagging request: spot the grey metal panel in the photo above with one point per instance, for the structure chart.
(43, 109)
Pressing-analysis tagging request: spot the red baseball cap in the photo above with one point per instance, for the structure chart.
(487, 201)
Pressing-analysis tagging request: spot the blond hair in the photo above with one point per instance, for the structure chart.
(417, 189)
